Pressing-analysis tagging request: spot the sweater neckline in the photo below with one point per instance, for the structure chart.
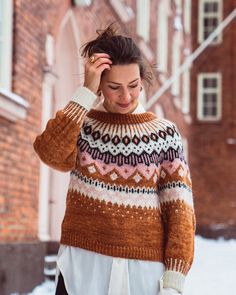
(116, 118)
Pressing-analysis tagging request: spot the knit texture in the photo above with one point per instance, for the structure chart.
(130, 191)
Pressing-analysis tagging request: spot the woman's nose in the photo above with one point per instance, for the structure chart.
(125, 95)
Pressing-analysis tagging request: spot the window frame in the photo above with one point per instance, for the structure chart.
(202, 91)
(187, 16)
(143, 19)
(186, 90)
(176, 62)
(6, 44)
(162, 37)
(202, 16)
(12, 106)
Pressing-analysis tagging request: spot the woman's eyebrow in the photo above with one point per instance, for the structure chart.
(120, 83)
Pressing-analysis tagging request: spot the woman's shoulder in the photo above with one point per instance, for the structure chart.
(166, 123)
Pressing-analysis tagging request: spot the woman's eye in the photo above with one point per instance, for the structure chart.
(113, 87)
(117, 87)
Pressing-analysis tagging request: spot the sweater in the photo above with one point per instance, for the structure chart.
(130, 191)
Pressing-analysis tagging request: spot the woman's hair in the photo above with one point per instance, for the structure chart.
(121, 49)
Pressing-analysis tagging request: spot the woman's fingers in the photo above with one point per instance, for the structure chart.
(102, 60)
(103, 67)
(94, 69)
(98, 55)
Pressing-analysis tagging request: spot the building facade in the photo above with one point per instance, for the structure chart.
(40, 68)
(212, 140)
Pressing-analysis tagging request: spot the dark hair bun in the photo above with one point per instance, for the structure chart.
(109, 32)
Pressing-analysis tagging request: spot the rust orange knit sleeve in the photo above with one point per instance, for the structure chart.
(176, 198)
(56, 146)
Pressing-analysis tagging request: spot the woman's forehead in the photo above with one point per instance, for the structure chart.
(122, 73)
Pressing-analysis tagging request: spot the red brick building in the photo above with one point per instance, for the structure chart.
(212, 140)
(40, 67)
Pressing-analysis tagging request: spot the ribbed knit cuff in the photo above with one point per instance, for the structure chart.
(84, 97)
(173, 279)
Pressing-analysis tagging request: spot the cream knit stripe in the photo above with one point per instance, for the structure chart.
(175, 194)
(101, 193)
(177, 265)
(173, 279)
(75, 112)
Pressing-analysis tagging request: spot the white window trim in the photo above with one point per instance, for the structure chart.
(143, 19)
(186, 91)
(187, 16)
(176, 58)
(178, 4)
(6, 52)
(82, 2)
(12, 106)
(45, 173)
(200, 88)
(162, 37)
(201, 17)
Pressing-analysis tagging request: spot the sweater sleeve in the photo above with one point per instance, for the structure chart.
(56, 146)
(176, 201)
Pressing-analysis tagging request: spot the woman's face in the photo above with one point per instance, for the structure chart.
(121, 88)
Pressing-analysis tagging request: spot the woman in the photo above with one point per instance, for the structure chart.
(129, 223)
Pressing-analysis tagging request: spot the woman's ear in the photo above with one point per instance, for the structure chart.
(99, 92)
(141, 85)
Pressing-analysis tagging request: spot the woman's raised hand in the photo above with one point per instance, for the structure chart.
(94, 67)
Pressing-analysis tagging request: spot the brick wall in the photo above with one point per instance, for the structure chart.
(212, 159)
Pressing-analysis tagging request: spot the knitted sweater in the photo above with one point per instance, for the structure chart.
(130, 191)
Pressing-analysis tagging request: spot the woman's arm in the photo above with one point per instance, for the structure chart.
(56, 146)
(175, 193)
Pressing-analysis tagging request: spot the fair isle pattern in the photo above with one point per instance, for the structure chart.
(130, 191)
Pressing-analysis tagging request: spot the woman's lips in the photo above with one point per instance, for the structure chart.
(124, 105)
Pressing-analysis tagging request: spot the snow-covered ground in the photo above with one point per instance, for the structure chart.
(213, 271)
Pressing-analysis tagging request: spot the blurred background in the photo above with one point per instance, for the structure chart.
(193, 44)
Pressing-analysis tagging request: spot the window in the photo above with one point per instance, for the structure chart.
(209, 96)
(12, 106)
(143, 19)
(162, 38)
(6, 17)
(210, 16)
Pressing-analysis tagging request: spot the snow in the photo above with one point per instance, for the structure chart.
(213, 270)
(47, 288)
(50, 258)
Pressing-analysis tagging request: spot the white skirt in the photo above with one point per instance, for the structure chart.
(90, 273)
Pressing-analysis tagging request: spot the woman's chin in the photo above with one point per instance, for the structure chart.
(118, 109)
(126, 109)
